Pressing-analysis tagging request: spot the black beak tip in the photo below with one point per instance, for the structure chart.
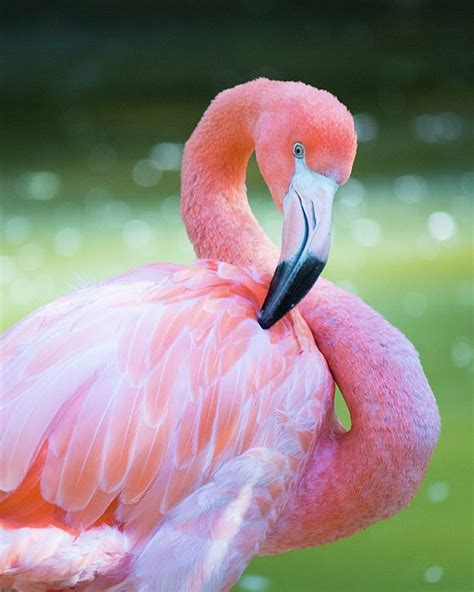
(280, 300)
(265, 321)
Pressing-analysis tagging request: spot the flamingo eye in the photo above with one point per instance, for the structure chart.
(298, 150)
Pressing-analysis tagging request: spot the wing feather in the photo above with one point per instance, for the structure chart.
(81, 467)
(121, 432)
(121, 399)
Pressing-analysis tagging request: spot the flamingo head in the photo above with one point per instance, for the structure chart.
(305, 145)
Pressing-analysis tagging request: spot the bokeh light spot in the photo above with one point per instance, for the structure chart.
(462, 353)
(409, 189)
(433, 574)
(114, 213)
(40, 185)
(441, 226)
(252, 582)
(366, 127)
(352, 193)
(137, 234)
(67, 241)
(146, 173)
(366, 232)
(442, 127)
(166, 156)
(438, 492)
(17, 229)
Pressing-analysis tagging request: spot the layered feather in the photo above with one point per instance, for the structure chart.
(119, 400)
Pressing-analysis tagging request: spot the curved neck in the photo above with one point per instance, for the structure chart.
(370, 472)
(214, 204)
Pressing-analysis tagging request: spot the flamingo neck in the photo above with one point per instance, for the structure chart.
(369, 473)
(214, 203)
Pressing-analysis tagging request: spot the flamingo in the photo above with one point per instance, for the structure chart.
(162, 428)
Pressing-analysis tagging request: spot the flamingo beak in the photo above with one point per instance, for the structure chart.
(307, 218)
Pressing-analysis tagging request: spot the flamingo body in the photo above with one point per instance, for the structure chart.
(158, 431)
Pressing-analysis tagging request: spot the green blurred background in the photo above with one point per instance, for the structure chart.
(96, 101)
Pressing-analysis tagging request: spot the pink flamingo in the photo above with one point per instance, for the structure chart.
(156, 437)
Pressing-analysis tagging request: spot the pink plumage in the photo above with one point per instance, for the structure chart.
(156, 437)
